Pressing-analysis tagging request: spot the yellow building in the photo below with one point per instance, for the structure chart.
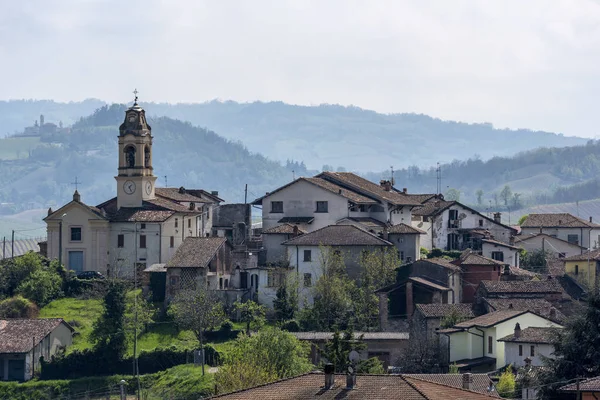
(584, 268)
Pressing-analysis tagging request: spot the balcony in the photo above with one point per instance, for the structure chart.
(454, 224)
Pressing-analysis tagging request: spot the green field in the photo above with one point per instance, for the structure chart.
(17, 147)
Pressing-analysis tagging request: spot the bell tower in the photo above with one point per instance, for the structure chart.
(135, 181)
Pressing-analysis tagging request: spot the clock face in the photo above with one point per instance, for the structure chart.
(148, 187)
(129, 187)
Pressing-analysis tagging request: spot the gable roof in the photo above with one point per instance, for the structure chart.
(349, 194)
(490, 319)
(558, 220)
(94, 210)
(588, 385)
(196, 252)
(365, 222)
(531, 335)
(20, 335)
(480, 382)
(468, 257)
(588, 255)
(426, 282)
(283, 229)
(178, 194)
(211, 196)
(338, 235)
(155, 210)
(539, 306)
(368, 188)
(497, 243)
(439, 310)
(522, 287)
(525, 238)
(442, 262)
(405, 229)
(373, 387)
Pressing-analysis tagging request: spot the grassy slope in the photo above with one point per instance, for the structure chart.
(14, 148)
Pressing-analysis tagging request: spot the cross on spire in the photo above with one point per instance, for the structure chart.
(135, 92)
(76, 183)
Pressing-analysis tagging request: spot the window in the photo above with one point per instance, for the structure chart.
(577, 270)
(121, 241)
(490, 342)
(532, 351)
(76, 261)
(307, 255)
(275, 278)
(480, 222)
(307, 280)
(401, 255)
(142, 241)
(189, 223)
(75, 234)
(497, 255)
(276, 207)
(142, 226)
(573, 239)
(520, 349)
(176, 222)
(322, 207)
(452, 241)
(453, 214)
(172, 241)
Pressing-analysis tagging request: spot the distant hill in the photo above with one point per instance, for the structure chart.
(189, 156)
(331, 135)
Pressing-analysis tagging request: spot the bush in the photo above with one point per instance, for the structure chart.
(291, 326)
(506, 384)
(42, 286)
(226, 327)
(18, 307)
(225, 332)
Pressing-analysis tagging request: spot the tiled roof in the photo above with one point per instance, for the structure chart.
(539, 306)
(196, 252)
(19, 335)
(206, 195)
(366, 335)
(93, 209)
(469, 258)
(428, 283)
(372, 387)
(283, 229)
(155, 210)
(559, 220)
(588, 255)
(480, 384)
(497, 243)
(442, 262)
(296, 220)
(355, 182)
(433, 207)
(405, 229)
(338, 235)
(21, 247)
(533, 286)
(490, 319)
(156, 268)
(525, 238)
(178, 194)
(421, 197)
(366, 222)
(442, 310)
(532, 335)
(588, 385)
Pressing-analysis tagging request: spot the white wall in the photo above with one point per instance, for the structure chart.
(511, 353)
(549, 244)
(584, 234)
(511, 256)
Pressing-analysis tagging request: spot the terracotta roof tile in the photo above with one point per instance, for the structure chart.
(338, 235)
(480, 384)
(490, 319)
(428, 283)
(588, 255)
(433, 207)
(588, 385)
(155, 210)
(558, 220)
(442, 262)
(196, 252)
(538, 306)
(365, 222)
(178, 194)
(442, 310)
(468, 257)
(405, 229)
(18, 335)
(515, 287)
(532, 335)
(283, 229)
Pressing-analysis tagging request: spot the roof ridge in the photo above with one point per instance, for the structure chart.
(412, 385)
(266, 384)
(452, 387)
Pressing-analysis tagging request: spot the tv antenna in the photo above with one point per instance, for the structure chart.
(392, 180)
(438, 177)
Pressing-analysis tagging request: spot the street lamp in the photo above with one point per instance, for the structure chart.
(60, 239)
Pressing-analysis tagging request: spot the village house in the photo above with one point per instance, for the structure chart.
(476, 268)
(316, 385)
(450, 225)
(563, 226)
(428, 318)
(142, 226)
(24, 341)
(537, 305)
(473, 345)
(589, 388)
(550, 245)
(584, 268)
(528, 346)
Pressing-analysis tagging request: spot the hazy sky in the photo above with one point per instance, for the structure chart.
(532, 64)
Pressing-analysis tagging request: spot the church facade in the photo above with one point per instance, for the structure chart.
(142, 226)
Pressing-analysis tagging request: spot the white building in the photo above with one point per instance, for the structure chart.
(528, 346)
(143, 225)
(558, 248)
(563, 226)
(499, 251)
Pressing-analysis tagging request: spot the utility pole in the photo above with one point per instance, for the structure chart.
(246, 194)
(12, 245)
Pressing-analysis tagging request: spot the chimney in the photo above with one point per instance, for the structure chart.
(467, 381)
(552, 313)
(329, 370)
(404, 190)
(76, 196)
(517, 330)
(386, 185)
(498, 217)
(295, 231)
(590, 219)
(510, 306)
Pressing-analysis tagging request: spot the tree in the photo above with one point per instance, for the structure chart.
(506, 385)
(506, 194)
(285, 303)
(109, 330)
(452, 195)
(576, 350)
(268, 355)
(251, 313)
(41, 287)
(423, 353)
(337, 351)
(479, 194)
(516, 200)
(522, 219)
(535, 260)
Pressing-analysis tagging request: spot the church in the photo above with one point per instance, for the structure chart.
(140, 227)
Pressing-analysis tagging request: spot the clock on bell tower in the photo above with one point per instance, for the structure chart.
(135, 181)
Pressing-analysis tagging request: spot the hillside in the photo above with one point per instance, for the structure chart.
(189, 156)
